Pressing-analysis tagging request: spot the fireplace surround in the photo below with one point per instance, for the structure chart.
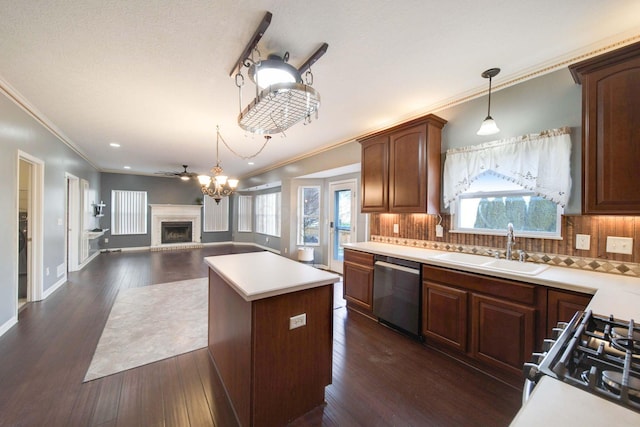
(173, 214)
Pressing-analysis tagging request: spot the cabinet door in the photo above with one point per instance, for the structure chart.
(408, 170)
(611, 140)
(444, 315)
(563, 305)
(502, 333)
(358, 285)
(375, 174)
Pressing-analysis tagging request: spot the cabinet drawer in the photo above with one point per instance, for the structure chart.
(357, 257)
(504, 289)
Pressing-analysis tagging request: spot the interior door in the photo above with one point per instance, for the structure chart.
(342, 225)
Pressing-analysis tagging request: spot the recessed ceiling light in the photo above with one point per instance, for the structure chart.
(251, 163)
(114, 144)
(127, 167)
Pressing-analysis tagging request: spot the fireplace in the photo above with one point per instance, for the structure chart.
(184, 223)
(176, 231)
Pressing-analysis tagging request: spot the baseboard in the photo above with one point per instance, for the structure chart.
(54, 287)
(90, 258)
(8, 324)
(153, 248)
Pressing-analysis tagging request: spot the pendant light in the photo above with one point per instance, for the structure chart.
(489, 126)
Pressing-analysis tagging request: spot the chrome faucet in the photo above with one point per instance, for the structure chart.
(510, 240)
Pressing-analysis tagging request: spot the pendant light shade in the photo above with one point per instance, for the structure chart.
(489, 126)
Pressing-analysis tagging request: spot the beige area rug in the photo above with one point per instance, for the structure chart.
(152, 323)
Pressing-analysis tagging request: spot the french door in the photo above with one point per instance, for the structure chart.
(342, 217)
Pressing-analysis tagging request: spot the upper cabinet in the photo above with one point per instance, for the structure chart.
(401, 168)
(610, 131)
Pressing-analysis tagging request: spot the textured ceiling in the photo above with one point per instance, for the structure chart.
(153, 75)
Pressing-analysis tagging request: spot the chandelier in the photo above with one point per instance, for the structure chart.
(219, 185)
(282, 99)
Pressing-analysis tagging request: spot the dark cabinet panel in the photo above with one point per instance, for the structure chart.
(562, 305)
(375, 172)
(610, 137)
(408, 170)
(502, 333)
(444, 315)
(358, 281)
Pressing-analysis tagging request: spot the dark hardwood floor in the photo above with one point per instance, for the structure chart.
(380, 378)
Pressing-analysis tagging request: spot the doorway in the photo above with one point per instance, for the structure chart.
(72, 219)
(29, 218)
(342, 226)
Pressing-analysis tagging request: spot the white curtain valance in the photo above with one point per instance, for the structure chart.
(538, 162)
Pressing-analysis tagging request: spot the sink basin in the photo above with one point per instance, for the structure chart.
(466, 259)
(528, 268)
(516, 267)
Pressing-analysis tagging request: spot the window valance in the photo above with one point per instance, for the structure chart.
(538, 162)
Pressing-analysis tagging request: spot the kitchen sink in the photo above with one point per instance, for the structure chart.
(466, 259)
(528, 268)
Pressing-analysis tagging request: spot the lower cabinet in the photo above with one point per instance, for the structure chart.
(358, 281)
(503, 333)
(562, 305)
(444, 315)
(493, 321)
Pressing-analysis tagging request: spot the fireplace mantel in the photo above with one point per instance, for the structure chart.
(173, 213)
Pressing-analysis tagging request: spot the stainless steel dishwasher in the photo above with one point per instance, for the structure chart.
(396, 294)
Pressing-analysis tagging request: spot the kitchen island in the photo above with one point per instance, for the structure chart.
(270, 334)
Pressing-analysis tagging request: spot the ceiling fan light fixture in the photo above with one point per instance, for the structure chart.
(489, 126)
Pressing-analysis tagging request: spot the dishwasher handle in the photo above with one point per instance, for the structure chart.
(384, 264)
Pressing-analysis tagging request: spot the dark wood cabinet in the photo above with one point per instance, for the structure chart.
(444, 317)
(358, 281)
(503, 333)
(375, 173)
(562, 305)
(610, 136)
(401, 168)
(495, 322)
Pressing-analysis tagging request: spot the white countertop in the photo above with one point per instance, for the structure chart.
(257, 275)
(553, 402)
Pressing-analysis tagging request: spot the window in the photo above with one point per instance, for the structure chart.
(216, 215)
(128, 212)
(244, 214)
(491, 202)
(309, 215)
(268, 214)
(523, 180)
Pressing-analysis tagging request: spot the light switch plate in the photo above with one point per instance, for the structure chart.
(583, 241)
(620, 245)
(396, 229)
(439, 231)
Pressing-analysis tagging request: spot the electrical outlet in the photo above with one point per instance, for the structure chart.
(266, 239)
(106, 240)
(396, 228)
(439, 231)
(620, 245)
(46, 271)
(297, 321)
(583, 241)
(286, 250)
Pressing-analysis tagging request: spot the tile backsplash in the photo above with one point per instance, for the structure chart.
(419, 230)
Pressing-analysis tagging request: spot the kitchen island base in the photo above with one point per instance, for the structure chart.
(272, 374)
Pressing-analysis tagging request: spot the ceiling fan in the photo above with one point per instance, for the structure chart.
(183, 175)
